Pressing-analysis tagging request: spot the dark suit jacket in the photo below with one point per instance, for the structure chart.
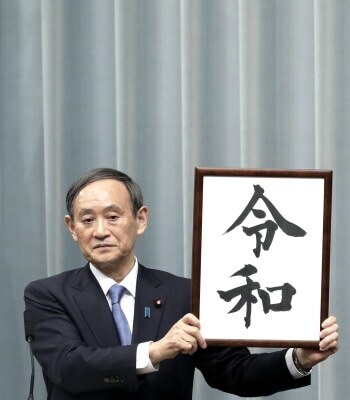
(77, 345)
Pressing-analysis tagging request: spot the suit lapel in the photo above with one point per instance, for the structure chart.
(149, 306)
(94, 308)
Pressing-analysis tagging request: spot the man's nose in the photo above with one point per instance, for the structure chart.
(101, 228)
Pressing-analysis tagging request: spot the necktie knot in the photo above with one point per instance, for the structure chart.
(116, 292)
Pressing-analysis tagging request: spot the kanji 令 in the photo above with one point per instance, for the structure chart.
(269, 226)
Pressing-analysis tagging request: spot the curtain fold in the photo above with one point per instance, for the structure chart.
(155, 88)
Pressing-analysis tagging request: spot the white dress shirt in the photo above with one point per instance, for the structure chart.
(127, 304)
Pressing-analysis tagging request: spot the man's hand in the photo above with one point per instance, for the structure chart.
(329, 344)
(184, 337)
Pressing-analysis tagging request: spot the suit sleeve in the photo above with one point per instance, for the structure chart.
(63, 353)
(237, 371)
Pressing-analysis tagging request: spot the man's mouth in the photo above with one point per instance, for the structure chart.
(102, 245)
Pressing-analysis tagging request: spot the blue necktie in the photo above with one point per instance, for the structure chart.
(116, 292)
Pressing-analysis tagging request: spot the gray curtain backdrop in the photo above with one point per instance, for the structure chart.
(155, 88)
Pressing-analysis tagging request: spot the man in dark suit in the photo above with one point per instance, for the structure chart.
(78, 343)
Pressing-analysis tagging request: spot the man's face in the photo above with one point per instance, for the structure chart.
(104, 225)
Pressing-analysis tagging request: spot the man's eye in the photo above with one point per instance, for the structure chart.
(113, 217)
(87, 221)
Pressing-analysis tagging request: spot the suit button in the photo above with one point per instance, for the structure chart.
(107, 380)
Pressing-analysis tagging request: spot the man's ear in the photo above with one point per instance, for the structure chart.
(142, 219)
(71, 226)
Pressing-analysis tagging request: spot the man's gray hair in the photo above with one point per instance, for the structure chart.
(136, 197)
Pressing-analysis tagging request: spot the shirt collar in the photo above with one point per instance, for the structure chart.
(129, 282)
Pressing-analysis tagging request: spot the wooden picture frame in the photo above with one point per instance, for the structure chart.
(261, 255)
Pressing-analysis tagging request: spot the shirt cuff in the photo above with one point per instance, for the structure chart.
(296, 374)
(143, 363)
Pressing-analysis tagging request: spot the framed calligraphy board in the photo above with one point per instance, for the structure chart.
(261, 255)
